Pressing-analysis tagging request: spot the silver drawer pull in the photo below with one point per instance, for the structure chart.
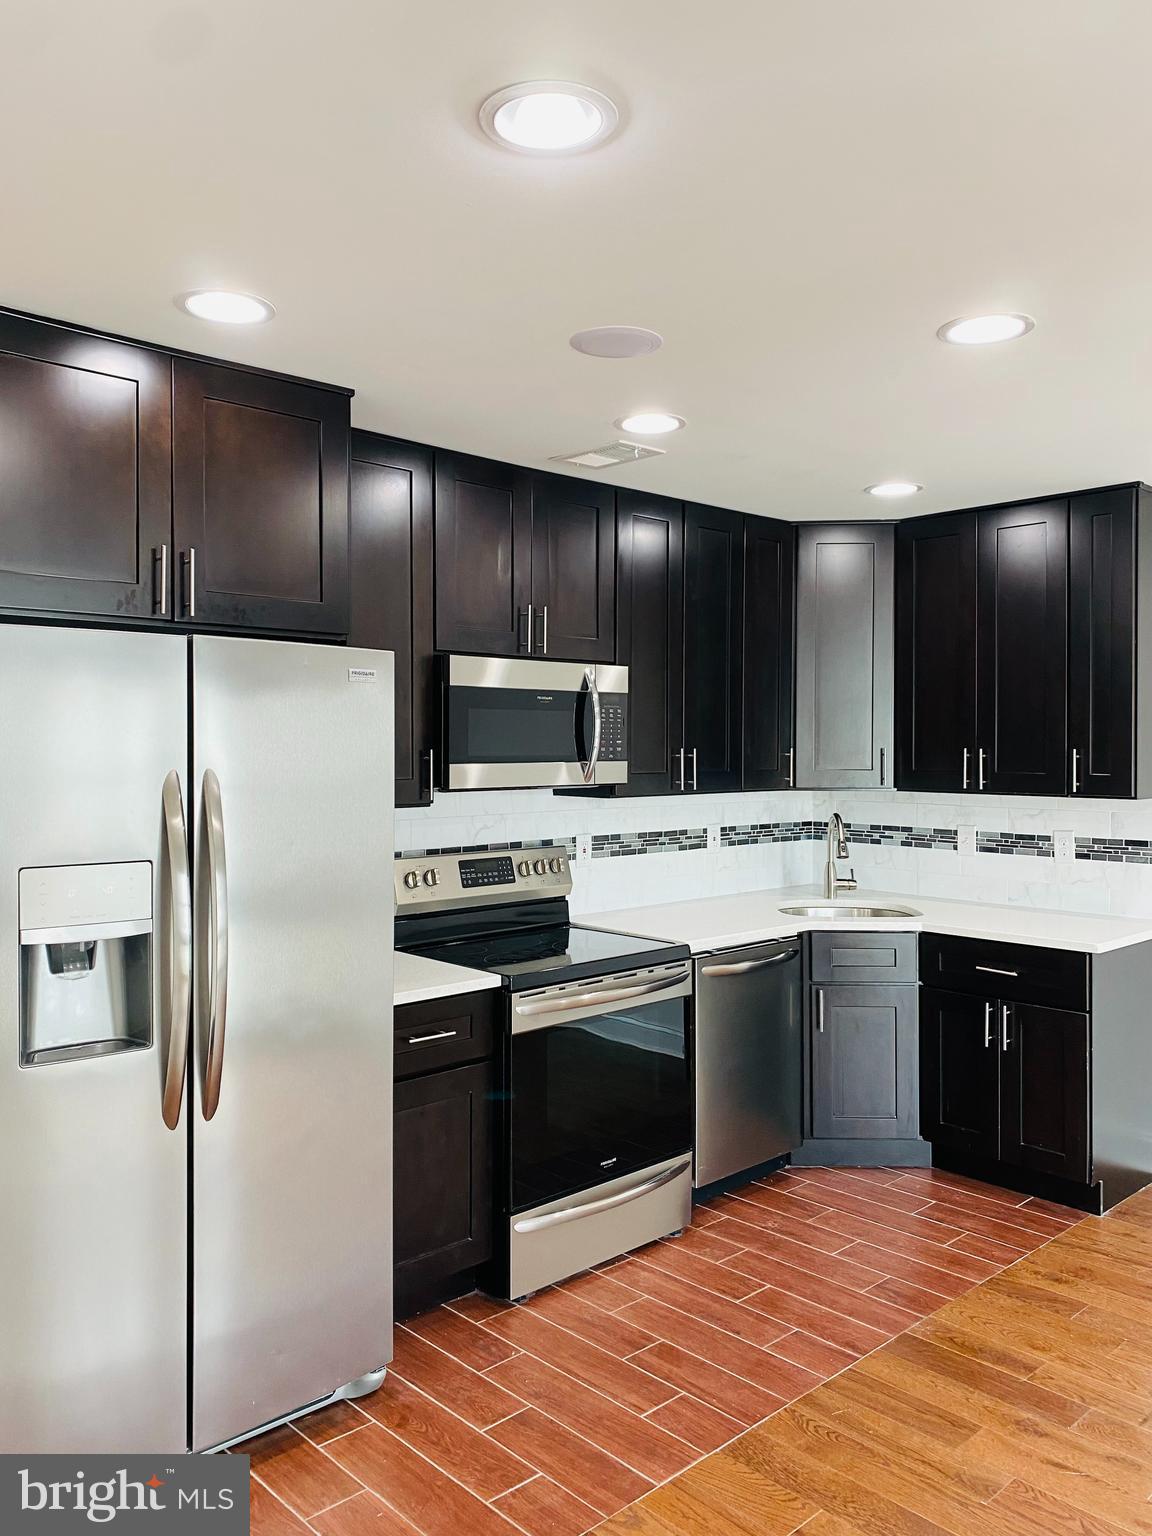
(742, 967)
(995, 970)
(604, 1203)
(441, 1034)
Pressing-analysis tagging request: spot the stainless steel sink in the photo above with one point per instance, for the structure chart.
(838, 910)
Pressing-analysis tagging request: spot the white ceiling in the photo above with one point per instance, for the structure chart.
(799, 195)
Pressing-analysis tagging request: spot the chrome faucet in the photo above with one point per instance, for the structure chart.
(837, 849)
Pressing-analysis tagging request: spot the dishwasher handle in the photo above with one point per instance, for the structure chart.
(742, 967)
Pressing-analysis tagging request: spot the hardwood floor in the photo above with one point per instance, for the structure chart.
(1021, 1408)
(601, 1395)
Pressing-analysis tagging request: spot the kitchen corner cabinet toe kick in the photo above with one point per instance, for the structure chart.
(1034, 1066)
(444, 1147)
(157, 487)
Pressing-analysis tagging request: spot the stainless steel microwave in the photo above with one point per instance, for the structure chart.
(512, 724)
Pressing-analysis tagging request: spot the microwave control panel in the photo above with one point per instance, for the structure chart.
(613, 731)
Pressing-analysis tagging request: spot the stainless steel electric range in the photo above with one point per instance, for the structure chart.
(595, 1112)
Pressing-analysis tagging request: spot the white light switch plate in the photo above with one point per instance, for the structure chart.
(583, 847)
(713, 837)
(966, 840)
(1064, 844)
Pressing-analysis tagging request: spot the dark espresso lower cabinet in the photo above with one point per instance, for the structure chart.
(443, 1141)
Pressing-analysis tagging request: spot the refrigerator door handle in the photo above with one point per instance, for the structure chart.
(178, 948)
(215, 957)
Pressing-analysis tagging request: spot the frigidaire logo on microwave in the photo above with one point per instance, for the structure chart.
(192, 1494)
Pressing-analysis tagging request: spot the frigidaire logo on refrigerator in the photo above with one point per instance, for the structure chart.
(205, 1494)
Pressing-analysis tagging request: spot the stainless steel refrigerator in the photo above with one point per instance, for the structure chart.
(196, 1061)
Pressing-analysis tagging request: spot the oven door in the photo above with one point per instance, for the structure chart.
(513, 724)
(599, 1082)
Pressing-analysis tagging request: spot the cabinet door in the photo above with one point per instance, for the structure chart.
(650, 618)
(713, 648)
(769, 557)
(443, 1141)
(85, 473)
(1022, 649)
(844, 656)
(1101, 643)
(864, 1078)
(483, 556)
(573, 569)
(1044, 1090)
(959, 1072)
(260, 500)
(391, 585)
(936, 652)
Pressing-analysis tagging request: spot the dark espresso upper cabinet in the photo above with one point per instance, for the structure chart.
(483, 556)
(713, 649)
(391, 585)
(85, 473)
(936, 652)
(1022, 649)
(650, 620)
(769, 560)
(573, 569)
(260, 500)
(525, 563)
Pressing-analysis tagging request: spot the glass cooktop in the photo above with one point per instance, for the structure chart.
(540, 957)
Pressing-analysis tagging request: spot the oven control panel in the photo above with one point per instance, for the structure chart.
(437, 881)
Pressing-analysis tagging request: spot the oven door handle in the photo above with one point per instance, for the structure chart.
(604, 1203)
(589, 768)
(595, 999)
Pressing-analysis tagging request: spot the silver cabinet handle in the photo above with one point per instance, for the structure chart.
(593, 999)
(694, 784)
(1004, 1040)
(176, 960)
(791, 767)
(742, 967)
(987, 1026)
(188, 564)
(1075, 771)
(160, 601)
(881, 767)
(980, 768)
(440, 1034)
(594, 755)
(964, 770)
(431, 773)
(544, 637)
(683, 782)
(531, 625)
(605, 1203)
(820, 1009)
(214, 957)
(995, 970)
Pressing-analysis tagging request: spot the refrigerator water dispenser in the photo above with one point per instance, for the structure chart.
(85, 961)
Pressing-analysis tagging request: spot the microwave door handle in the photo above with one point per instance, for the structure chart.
(594, 755)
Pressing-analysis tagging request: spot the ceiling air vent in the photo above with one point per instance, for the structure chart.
(618, 452)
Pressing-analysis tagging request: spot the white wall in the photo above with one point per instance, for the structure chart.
(1082, 885)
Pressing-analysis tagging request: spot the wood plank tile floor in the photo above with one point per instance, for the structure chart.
(610, 1396)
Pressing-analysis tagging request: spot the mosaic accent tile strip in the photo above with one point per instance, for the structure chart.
(887, 835)
(1037, 845)
(1115, 850)
(770, 832)
(617, 845)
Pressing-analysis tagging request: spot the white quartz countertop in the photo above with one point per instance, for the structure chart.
(722, 922)
(418, 980)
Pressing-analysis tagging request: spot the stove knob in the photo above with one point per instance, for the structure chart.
(556, 866)
(540, 867)
(524, 867)
(431, 877)
(411, 879)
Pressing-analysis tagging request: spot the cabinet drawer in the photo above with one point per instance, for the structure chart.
(444, 1032)
(1018, 973)
(860, 958)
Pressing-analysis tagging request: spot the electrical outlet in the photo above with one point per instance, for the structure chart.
(1064, 844)
(583, 847)
(966, 840)
(713, 837)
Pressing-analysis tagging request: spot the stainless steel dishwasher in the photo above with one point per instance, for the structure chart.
(748, 1058)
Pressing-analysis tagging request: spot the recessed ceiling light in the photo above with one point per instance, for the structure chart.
(894, 488)
(226, 308)
(651, 423)
(548, 117)
(616, 341)
(978, 330)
